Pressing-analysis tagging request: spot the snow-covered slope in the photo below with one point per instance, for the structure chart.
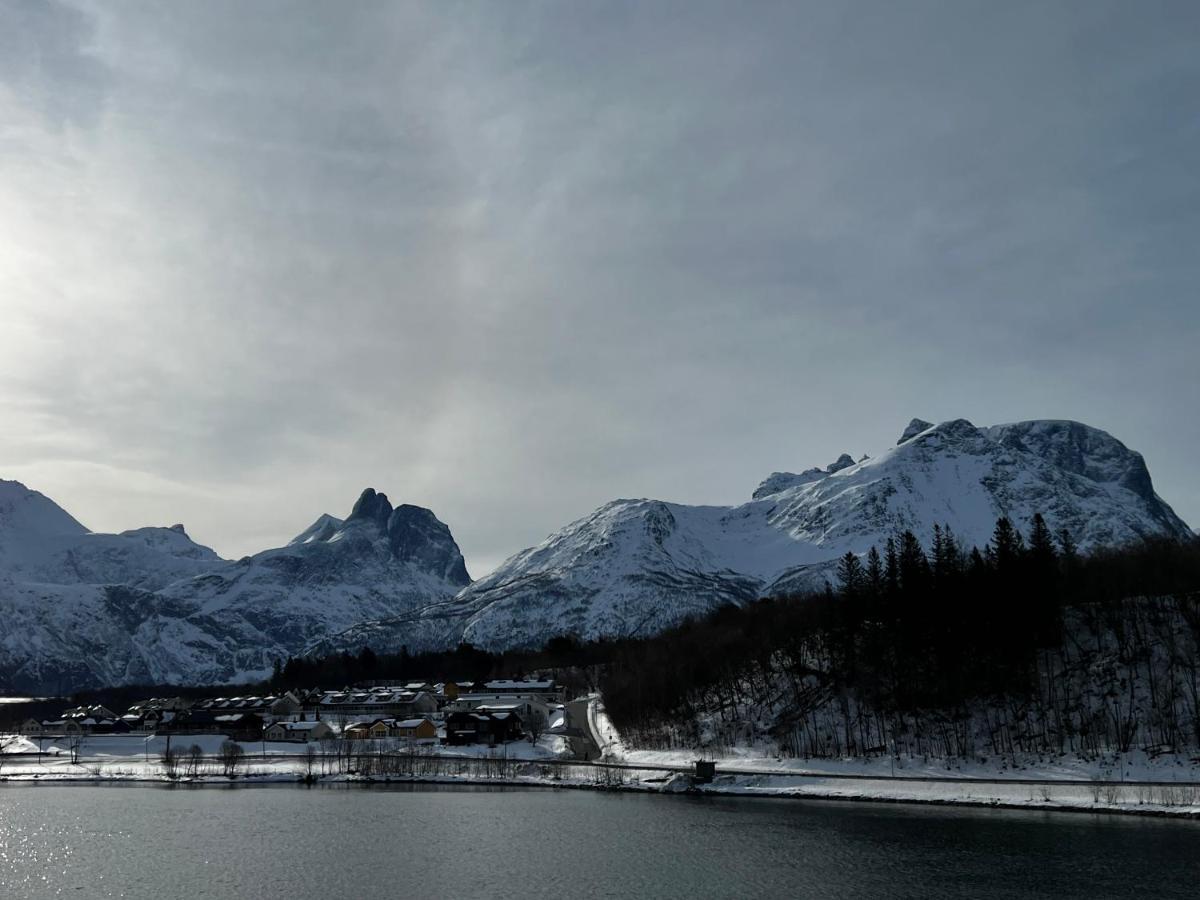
(41, 543)
(150, 605)
(636, 566)
(378, 563)
(26, 515)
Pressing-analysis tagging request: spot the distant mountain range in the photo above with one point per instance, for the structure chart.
(80, 609)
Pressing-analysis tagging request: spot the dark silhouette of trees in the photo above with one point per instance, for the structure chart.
(928, 649)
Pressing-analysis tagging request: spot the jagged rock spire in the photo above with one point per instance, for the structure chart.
(371, 507)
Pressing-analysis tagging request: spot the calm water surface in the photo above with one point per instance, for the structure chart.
(235, 843)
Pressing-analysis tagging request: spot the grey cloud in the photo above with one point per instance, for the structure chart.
(510, 261)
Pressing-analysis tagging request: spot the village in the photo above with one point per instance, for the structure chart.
(482, 718)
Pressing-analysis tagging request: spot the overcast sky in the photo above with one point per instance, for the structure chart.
(510, 261)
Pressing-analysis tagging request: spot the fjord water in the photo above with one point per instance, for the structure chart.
(235, 843)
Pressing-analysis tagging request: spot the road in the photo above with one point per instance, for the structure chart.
(579, 715)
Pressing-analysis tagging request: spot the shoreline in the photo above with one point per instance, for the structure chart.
(669, 787)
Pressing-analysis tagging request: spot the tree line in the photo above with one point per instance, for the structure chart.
(1021, 646)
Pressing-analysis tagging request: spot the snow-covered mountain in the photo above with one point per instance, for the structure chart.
(149, 605)
(637, 566)
(40, 542)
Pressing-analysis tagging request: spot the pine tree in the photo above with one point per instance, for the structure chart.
(1041, 543)
(946, 555)
(1042, 588)
(850, 575)
(875, 577)
(976, 567)
(891, 568)
(1067, 547)
(1006, 546)
(939, 551)
(914, 566)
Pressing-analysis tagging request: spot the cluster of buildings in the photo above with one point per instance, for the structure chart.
(489, 712)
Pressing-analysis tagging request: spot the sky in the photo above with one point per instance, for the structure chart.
(512, 260)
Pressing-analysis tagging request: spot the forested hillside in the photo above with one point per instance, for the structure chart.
(1022, 647)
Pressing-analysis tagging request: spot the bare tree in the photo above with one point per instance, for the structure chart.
(171, 757)
(230, 756)
(195, 755)
(328, 749)
(535, 725)
(310, 760)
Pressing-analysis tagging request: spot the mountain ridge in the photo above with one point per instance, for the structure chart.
(638, 564)
(149, 604)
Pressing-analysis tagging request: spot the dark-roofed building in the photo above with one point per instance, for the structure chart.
(546, 690)
(281, 706)
(474, 727)
(377, 702)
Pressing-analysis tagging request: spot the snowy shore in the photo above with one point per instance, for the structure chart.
(1164, 786)
(1133, 799)
(1136, 783)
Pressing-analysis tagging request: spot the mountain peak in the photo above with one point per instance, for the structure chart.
(27, 512)
(844, 461)
(915, 427)
(1080, 449)
(371, 507)
(777, 482)
(950, 432)
(414, 535)
(325, 527)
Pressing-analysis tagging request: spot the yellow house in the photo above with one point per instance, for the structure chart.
(416, 729)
